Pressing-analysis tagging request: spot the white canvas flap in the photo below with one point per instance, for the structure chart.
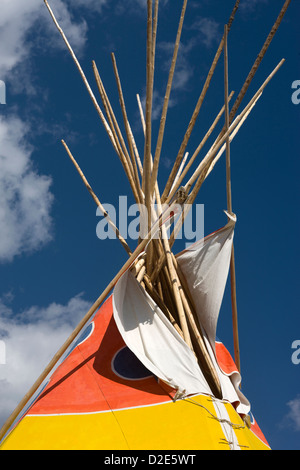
(205, 266)
(153, 339)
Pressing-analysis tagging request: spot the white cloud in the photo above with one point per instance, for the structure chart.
(19, 18)
(157, 105)
(183, 73)
(32, 337)
(75, 31)
(16, 18)
(209, 31)
(183, 70)
(293, 417)
(251, 5)
(25, 197)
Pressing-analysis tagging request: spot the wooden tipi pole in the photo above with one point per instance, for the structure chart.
(120, 144)
(127, 128)
(253, 69)
(148, 113)
(166, 99)
(93, 98)
(212, 152)
(196, 153)
(258, 60)
(204, 167)
(186, 318)
(111, 117)
(196, 112)
(229, 209)
(95, 198)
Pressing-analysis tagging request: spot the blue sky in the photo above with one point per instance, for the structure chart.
(53, 266)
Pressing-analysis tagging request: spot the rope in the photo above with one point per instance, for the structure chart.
(220, 420)
(232, 443)
(234, 426)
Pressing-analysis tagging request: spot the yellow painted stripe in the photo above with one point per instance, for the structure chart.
(66, 432)
(246, 438)
(180, 425)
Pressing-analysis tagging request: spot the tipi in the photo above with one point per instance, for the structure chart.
(144, 368)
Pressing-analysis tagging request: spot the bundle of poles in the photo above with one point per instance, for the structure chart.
(152, 261)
